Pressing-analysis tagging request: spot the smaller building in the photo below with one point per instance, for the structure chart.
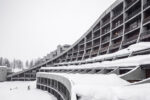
(3, 73)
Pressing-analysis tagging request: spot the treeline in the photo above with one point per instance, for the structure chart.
(33, 63)
(16, 63)
(11, 64)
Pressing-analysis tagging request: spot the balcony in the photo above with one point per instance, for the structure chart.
(96, 44)
(147, 19)
(145, 35)
(117, 35)
(89, 39)
(94, 52)
(103, 49)
(96, 35)
(146, 4)
(130, 40)
(131, 28)
(116, 14)
(87, 47)
(80, 55)
(130, 3)
(87, 54)
(117, 24)
(115, 45)
(105, 22)
(105, 40)
(81, 49)
(96, 28)
(133, 13)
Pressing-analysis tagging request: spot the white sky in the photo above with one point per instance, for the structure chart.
(32, 28)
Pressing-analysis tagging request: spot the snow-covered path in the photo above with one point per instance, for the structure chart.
(19, 91)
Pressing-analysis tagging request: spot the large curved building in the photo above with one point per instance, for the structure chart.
(123, 24)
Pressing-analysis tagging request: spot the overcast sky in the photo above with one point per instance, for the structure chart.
(32, 28)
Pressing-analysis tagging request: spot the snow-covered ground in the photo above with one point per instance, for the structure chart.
(19, 91)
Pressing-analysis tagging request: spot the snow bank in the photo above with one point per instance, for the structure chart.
(18, 91)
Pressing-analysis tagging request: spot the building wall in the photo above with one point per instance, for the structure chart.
(3, 74)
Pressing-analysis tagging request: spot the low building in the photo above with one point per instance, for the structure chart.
(3, 73)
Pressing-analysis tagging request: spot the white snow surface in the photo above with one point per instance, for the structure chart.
(19, 91)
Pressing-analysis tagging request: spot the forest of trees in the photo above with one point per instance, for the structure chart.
(18, 64)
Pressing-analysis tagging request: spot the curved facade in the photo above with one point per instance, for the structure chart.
(124, 23)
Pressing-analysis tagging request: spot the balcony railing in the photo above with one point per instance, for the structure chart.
(129, 4)
(87, 54)
(116, 14)
(145, 34)
(105, 22)
(96, 28)
(115, 25)
(96, 35)
(146, 19)
(103, 49)
(117, 35)
(80, 55)
(88, 39)
(146, 4)
(97, 43)
(133, 38)
(133, 13)
(105, 40)
(105, 32)
(94, 52)
(131, 28)
(88, 47)
(81, 48)
(115, 45)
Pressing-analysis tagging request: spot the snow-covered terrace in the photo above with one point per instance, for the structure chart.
(125, 62)
(127, 51)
